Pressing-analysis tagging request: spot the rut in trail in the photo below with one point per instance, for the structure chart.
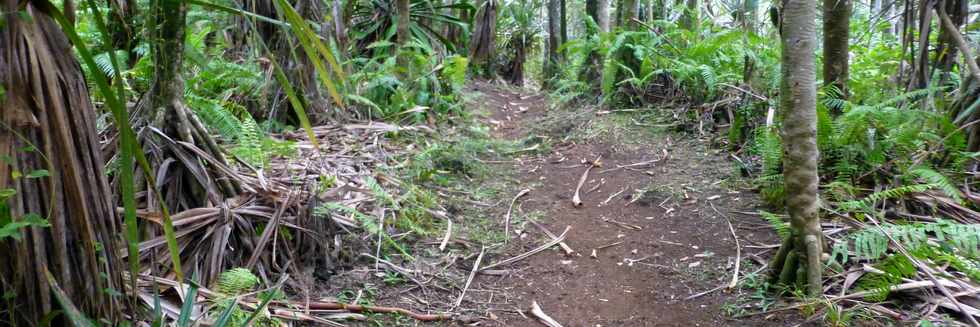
(652, 230)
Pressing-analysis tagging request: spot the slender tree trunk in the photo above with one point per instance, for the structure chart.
(564, 21)
(602, 15)
(48, 123)
(690, 19)
(628, 13)
(122, 20)
(799, 258)
(403, 32)
(920, 75)
(836, 33)
(339, 25)
(592, 67)
(402, 10)
(551, 59)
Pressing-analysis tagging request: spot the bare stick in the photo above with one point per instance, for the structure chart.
(532, 252)
(449, 232)
(568, 250)
(544, 318)
(507, 216)
(612, 196)
(476, 267)
(577, 199)
(738, 247)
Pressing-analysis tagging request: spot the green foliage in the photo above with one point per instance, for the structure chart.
(872, 243)
(236, 281)
(375, 21)
(428, 88)
(777, 223)
(894, 268)
(232, 284)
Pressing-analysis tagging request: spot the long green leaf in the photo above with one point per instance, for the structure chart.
(77, 318)
(185, 310)
(313, 48)
(294, 100)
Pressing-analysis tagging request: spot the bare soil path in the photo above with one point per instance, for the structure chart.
(647, 235)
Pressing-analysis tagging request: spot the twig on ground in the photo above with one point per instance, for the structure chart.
(476, 267)
(544, 318)
(568, 250)
(612, 196)
(449, 233)
(738, 247)
(523, 256)
(509, 210)
(577, 199)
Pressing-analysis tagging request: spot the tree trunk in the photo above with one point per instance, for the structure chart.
(49, 125)
(628, 14)
(592, 67)
(602, 15)
(482, 41)
(122, 19)
(402, 10)
(798, 260)
(564, 22)
(551, 58)
(690, 19)
(836, 31)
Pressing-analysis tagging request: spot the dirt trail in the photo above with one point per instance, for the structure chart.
(657, 240)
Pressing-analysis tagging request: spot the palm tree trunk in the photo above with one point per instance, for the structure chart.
(48, 124)
(798, 260)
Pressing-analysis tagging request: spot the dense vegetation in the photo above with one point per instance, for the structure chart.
(192, 118)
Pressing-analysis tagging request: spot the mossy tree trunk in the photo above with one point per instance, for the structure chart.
(169, 131)
(799, 258)
(403, 10)
(836, 33)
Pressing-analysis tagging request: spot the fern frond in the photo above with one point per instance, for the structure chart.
(936, 178)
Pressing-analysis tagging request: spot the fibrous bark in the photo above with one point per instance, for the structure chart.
(48, 123)
(799, 257)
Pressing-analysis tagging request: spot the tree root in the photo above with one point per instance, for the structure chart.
(798, 264)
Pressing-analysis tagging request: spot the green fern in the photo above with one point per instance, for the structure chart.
(892, 193)
(236, 281)
(940, 181)
(777, 223)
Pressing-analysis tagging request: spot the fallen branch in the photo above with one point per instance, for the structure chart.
(476, 267)
(370, 308)
(511, 208)
(568, 250)
(532, 252)
(543, 317)
(577, 199)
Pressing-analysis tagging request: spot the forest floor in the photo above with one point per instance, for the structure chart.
(656, 226)
(652, 230)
